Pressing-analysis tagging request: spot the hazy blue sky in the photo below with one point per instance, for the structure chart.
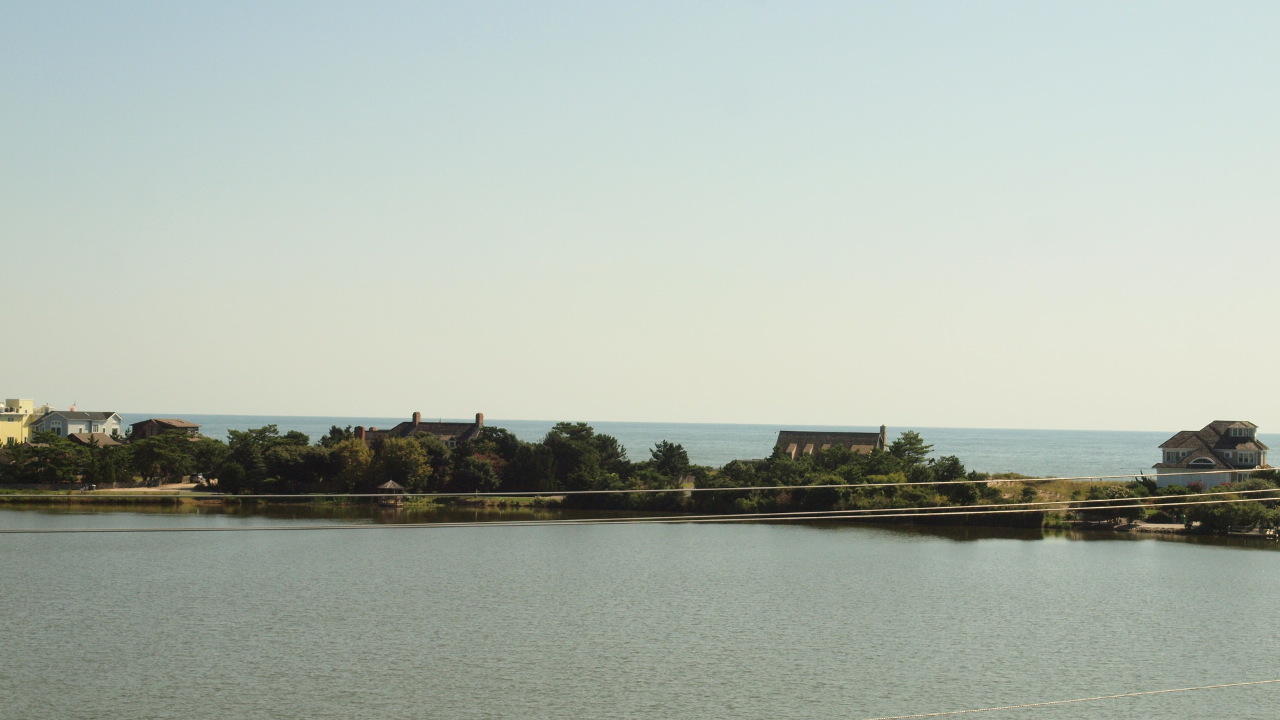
(984, 214)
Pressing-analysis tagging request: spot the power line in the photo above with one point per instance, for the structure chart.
(791, 516)
(558, 493)
(1075, 700)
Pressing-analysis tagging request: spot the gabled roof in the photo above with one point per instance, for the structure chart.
(1216, 435)
(456, 431)
(101, 439)
(79, 415)
(820, 438)
(1211, 442)
(174, 423)
(806, 442)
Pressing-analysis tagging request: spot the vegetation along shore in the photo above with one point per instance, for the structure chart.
(574, 467)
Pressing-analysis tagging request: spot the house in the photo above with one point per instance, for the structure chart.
(794, 443)
(67, 422)
(1231, 446)
(16, 418)
(451, 433)
(155, 426)
(94, 439)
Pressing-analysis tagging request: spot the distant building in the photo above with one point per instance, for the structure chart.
(451, 433)
(67, 422)
(96, 439)
(794, 443)
(16, 418)
(154, 426)
(1231, 446)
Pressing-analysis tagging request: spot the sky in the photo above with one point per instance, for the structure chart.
(933, 214)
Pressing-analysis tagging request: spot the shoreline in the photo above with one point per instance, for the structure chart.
(166, 498)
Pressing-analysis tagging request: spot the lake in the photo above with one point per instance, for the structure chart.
(622, 621)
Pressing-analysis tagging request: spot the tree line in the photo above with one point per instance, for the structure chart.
(573, 458)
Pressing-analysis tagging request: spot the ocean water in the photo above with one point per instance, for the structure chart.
(1040, 453)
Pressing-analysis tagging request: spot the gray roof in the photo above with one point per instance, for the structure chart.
(815, 440)
(100, 439)
(1215, 436)
(79, 415)
(459, 431)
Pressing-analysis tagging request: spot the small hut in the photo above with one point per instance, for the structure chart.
(392, 493)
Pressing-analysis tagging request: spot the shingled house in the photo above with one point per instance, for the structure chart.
(68, 422)
(451, 433)
(155, 426)
(794, 443)
(1231, 446)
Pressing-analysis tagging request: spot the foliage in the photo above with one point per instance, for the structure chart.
(404, 461)
(910, 448)
(669, 459)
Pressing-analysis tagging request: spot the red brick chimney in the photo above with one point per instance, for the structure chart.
(479, 419)
(417, 418)
(359, 433)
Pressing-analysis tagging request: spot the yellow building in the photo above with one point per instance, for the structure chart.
(15, 421)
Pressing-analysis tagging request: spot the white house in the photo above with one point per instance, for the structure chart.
(1231, 446)
(66, 422)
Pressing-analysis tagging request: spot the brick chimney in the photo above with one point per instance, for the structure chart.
(479, 419)
(359, 432)
(417, 418)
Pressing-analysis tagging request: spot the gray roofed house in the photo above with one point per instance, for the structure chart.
(794, 443)
(93, 439)
(451, 433)
(67, 422)
(154, 426)
(1227, 445)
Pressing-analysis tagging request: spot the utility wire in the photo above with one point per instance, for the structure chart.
(1075, 700)
(871, 514)
(558, 493)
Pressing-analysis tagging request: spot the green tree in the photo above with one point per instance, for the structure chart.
(496, 441)
(533, 469)
(910, 448)
(404, 461)
(336, 435)
(670, 459)
(108, 465)
(476, 473)
(47, 460)
(351, 460)
(162, 458)
(439, 459)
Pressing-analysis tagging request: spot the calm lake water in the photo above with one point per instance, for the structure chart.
(622, 621)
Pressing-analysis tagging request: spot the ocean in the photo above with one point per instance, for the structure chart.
(1040, 453)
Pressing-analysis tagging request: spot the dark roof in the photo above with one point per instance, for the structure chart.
(79, 415)
(102, 439)
(1215, 435)
(1209, 441)
(458, 431)
(169, 422)
(795, 442)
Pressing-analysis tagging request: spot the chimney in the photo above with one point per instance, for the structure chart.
(479, 419)
(417, 418)
(359, 433)
(882, 438)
